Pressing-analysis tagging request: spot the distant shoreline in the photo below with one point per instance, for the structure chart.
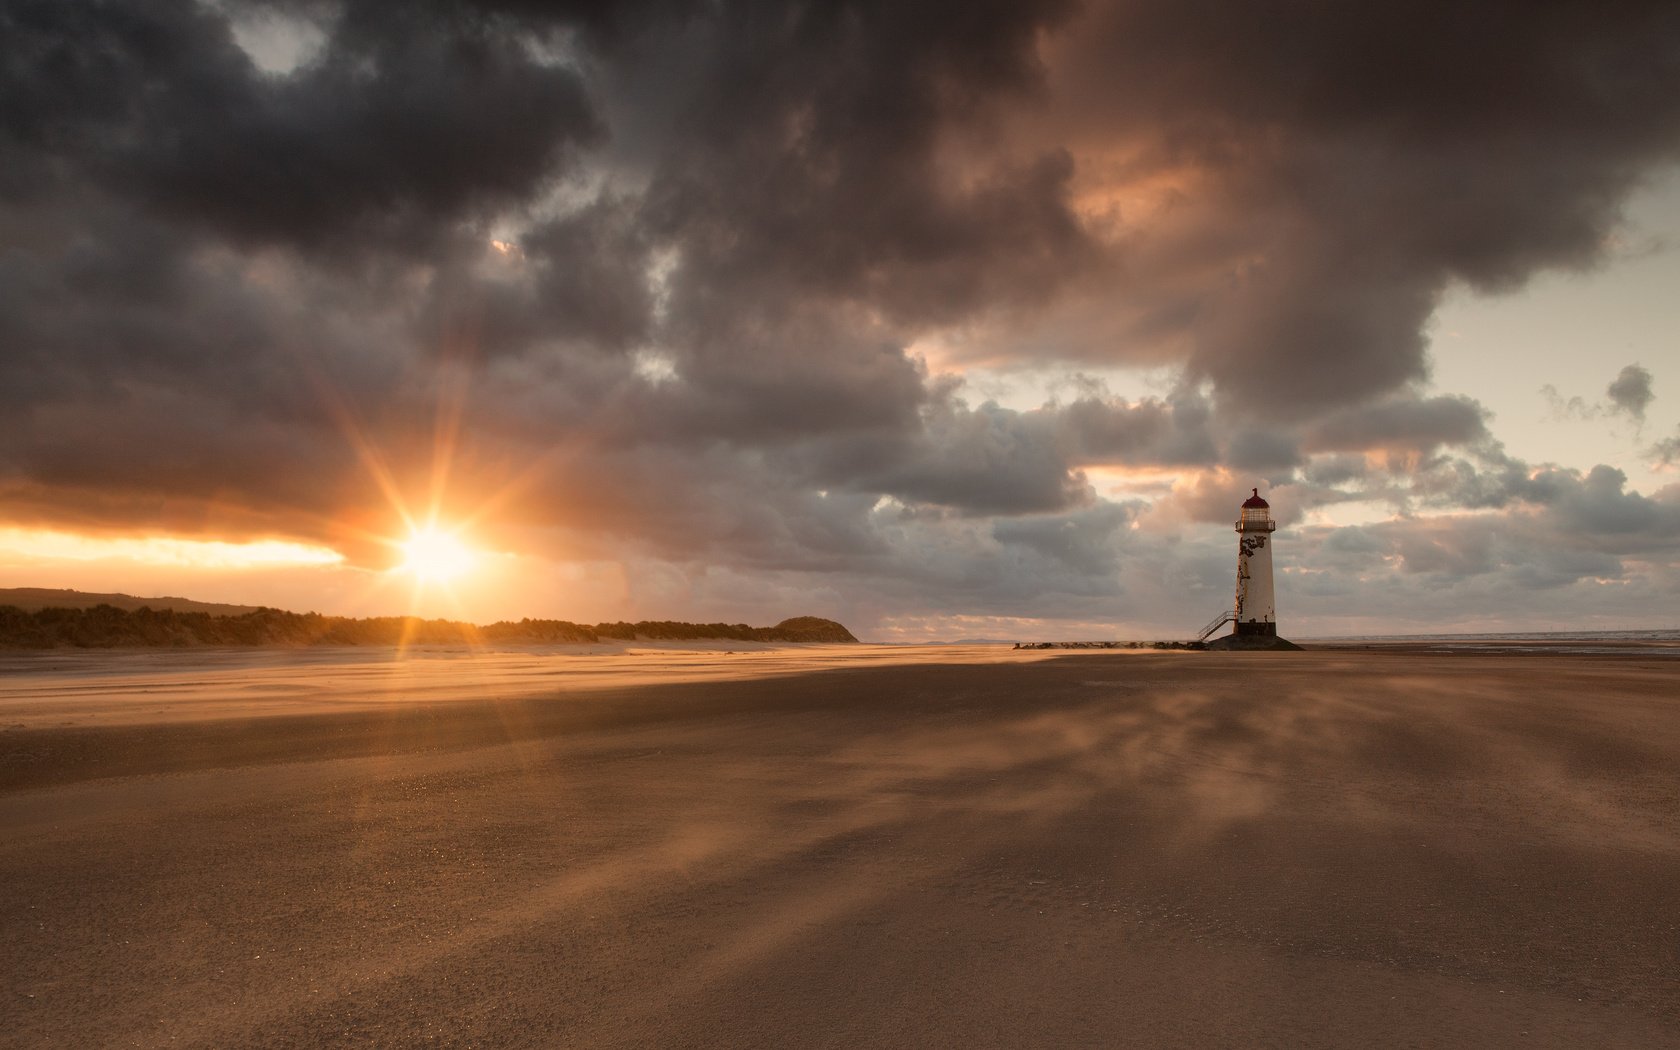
(1652, 634)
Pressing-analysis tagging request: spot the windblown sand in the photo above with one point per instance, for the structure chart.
(840, 847)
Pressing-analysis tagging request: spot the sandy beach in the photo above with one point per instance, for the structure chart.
(841, 846)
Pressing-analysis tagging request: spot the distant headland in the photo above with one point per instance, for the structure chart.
(35, 618)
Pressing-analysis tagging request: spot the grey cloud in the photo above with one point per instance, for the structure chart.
(995, 460)
(1080, 564)
(1150, 432)
(988, 460)
(1520, 552)
(1335, 469)
(1264, 450)
(1594, 508)
(1455, 552)
(1492, 482)
(1599, 506)
(1630, 392)
(1666, 452)
(1574, 407)
(1359, 542)
(1420, 425)
(1082, 541)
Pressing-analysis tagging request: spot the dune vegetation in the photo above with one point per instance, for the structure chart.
(106, 626)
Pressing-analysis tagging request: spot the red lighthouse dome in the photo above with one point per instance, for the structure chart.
(1255, 501)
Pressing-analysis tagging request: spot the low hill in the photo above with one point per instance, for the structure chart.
(811, 629)
(32, 598)
(108, 626)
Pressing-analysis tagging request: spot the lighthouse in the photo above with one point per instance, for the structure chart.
(1256, 613)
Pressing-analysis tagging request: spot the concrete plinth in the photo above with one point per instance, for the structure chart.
(1250, 643)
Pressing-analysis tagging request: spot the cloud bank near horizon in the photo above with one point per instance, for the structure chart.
(694, 287)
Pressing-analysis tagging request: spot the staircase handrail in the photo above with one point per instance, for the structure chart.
(1225, 616)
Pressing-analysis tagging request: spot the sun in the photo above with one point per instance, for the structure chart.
(435, 556)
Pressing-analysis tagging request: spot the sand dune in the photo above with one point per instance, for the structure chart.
(880, 847)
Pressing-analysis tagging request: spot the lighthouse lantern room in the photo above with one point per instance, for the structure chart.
(1256, 613)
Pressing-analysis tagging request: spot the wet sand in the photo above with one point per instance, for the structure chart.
(872, 847)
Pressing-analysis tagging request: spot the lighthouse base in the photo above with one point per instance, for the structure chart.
(1257, 629)
(1252, 643)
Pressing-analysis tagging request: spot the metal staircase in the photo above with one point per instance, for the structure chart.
(1225, 617)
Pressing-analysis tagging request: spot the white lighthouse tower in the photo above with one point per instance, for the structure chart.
(1256, 610)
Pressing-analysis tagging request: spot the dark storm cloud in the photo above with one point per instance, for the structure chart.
(397, 128)
(579, 280)
(125, 355)
(1343, 164)
(811, 163)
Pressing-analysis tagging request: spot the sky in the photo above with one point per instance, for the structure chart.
(945, 320)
